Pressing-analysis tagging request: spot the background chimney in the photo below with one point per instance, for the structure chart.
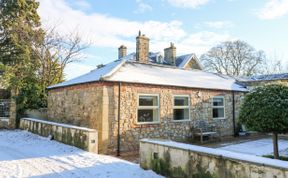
(170, 54)
(142, 48)
(122, 51)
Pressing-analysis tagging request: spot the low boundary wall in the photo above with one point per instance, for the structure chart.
(174, 159)
(81, 137)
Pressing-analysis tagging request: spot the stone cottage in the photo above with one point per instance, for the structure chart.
(146, 94)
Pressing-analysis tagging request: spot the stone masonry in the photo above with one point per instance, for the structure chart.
(95, 105)
(142, 48)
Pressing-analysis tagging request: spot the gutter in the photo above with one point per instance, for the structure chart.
(233, 113)
(118, 131)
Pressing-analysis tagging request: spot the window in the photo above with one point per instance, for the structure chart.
(148, 109)
(218, 107)
(181, 108)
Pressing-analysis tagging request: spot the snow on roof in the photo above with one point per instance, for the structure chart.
(283, 76)
(134, 72)
(92, 76)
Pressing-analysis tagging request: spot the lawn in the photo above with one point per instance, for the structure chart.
(23, 154)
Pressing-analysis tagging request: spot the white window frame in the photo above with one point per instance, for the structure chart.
(181, 107)
(222, 97)
(148, 107)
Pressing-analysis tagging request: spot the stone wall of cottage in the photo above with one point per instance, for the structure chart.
(83, 105)
(95, 106)
(201, 109)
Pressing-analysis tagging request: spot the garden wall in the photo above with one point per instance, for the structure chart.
(81, 137)
(173, 159)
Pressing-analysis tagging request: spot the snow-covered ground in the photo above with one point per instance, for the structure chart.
(23, 154)
(258, 147)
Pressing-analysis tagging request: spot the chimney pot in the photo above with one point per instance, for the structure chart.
(122, 51)
(170, 54)
(142, 48)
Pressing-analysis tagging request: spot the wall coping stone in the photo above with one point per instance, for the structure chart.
(220, 153)
(59, 124)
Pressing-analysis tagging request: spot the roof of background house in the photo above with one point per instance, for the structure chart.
(268, 77)
(157, 58)
(125, 70)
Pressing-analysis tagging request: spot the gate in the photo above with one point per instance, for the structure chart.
(4, 112)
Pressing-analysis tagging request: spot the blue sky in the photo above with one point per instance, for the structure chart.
(193, 25)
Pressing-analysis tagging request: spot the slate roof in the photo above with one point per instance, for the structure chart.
(125, 70)
(269, 77)
(157, 58)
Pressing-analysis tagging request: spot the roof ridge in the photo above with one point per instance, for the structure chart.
(114, 70)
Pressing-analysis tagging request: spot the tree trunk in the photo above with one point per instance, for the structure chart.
(275, 145)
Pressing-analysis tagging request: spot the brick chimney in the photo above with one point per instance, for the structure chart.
(122, 51)
(142, 48)
(170, 54)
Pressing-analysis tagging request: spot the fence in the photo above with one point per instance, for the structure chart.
(4, 108)
(4, 112)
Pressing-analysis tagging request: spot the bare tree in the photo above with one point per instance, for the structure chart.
(235, 58)
(274, 65)
(55, 53)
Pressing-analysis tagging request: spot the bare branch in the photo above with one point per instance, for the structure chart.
(235, 58)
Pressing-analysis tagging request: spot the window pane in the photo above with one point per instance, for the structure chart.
(148, 101)
(218, 112)
(181, 101)
(181, 114)
(218, 102)
(147, 115)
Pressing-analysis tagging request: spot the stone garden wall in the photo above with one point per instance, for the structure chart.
(173, 159)
(84, 138)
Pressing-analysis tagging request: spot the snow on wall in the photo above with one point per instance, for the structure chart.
(84, 138)
(223, 153)
(197, 161)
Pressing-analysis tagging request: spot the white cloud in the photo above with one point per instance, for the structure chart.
(201, 42)
(188, 3)
(273, 9)
(82, 4)
(103, 30)
(142, 7)
(107, 31)
(218, 24)
(76, 69)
